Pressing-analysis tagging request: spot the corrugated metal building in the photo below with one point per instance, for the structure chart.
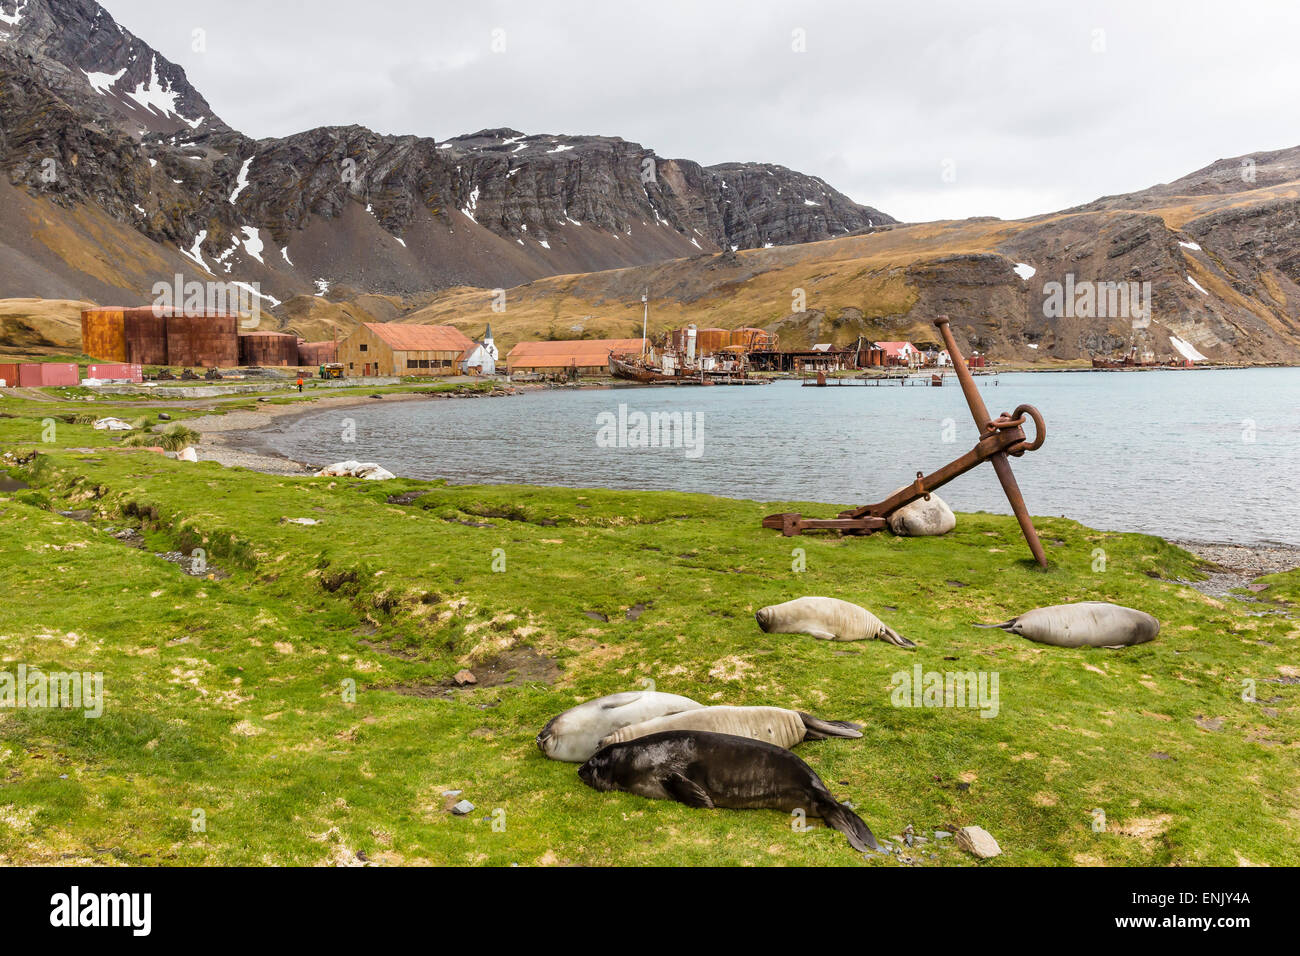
(9, 375)
(586, 356)
(385, 348)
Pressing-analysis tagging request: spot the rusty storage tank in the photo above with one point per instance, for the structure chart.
(711, 341)
(203, 340)
(133, 336)
(268, 349)
(751, 338)
(318, 353)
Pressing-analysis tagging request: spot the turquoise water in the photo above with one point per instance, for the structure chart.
(1197, 455)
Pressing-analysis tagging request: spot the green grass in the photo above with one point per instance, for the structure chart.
(225, 692)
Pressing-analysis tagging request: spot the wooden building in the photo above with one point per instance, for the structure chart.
(388, 348)
(567, 357)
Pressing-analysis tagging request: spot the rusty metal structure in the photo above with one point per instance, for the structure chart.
(318, 353)
(203, 341)
(1001, 439)
(268, 349)
(127, 336)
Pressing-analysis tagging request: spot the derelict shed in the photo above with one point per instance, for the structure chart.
(586, 356)
(385, 348)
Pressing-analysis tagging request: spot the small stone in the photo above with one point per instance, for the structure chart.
(978, 841)
(1210, 723)
(463, 808)
(164, 417)
(465, 677)
(941, 834)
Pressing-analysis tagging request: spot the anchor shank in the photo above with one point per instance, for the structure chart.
(968, 386)
(1003, 468)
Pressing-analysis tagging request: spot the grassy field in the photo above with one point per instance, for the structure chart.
(230, 733)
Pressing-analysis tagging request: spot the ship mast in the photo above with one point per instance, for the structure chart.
(645, 319)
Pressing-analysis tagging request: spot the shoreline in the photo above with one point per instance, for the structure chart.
(238, 439)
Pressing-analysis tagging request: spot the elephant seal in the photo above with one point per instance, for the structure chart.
(1087, 624)
(923, 518)
(574, 735)
(828, 619)
(702, 769)
(775, 725)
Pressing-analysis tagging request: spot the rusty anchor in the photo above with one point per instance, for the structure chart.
(1000, 438)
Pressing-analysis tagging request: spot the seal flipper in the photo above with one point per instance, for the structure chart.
(820, 634)
(814, 728)
(687, 791)
(1005, 625)
(836, 815)
(891, 636)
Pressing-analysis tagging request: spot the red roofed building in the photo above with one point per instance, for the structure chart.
(900, 353)
(388, 348)
(575, 356)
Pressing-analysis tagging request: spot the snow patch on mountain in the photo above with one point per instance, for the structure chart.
(102, 83)
(241, 183)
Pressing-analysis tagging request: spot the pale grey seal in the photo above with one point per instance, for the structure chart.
(1086, 624)
(828, 619)
(775, 725)
(574, 735)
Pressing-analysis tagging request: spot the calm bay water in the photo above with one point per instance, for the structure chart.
(1204, 455)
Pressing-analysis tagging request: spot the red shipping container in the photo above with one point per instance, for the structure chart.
(9, 375)
(47, 374)
(131, 373)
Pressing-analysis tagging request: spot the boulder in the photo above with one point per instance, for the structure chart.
(979, 842)
(923, 518)
(356, 469)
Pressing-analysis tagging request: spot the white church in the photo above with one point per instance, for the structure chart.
(481, 357)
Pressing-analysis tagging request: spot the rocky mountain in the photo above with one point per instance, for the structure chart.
(116, 174)
(100, 135)
(1195, 277)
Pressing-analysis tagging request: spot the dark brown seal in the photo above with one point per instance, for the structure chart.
(703, 769)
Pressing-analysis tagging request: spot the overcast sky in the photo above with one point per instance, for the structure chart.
(926, 110)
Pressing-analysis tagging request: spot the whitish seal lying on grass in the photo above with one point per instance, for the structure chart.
(574, 735)
(828, 619)
(1087, 624)
(701, 769)
(773, 725)
(923, 518)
